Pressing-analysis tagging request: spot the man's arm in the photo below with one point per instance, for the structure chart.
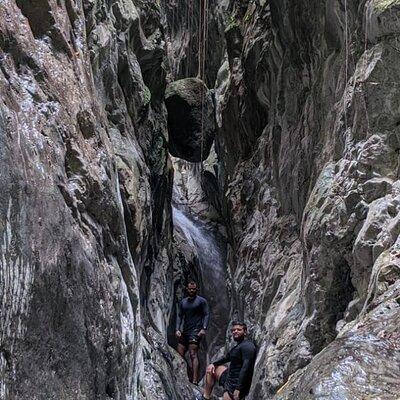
(248, 356)
(225, 359)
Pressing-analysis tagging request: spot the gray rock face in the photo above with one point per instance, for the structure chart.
(308, 111)
(191, 119)
(85, 223)
(305, 178)
(351, 366)
(187, 31)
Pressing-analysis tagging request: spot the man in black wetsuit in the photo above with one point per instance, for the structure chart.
(191, 325)
(236, 380)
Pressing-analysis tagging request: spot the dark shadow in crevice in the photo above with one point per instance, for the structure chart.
(38, 13)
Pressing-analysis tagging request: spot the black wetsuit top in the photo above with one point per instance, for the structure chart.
(193, 315)
(240, 373)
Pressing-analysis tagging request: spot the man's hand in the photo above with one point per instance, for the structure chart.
(178, 334)
(211, 369)
(202, 333)
(236, 395)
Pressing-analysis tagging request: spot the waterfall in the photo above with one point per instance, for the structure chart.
(207, 244)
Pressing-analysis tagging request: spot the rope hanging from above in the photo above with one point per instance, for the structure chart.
(202, 53)
(346, 33)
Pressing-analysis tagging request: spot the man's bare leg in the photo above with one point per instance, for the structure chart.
(181, 349)
(211, 378)
(193, 349)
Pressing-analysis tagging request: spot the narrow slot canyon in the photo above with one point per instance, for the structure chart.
(250, 146)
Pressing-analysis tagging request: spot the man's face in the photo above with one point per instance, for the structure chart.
(238, 332)
(191, 290)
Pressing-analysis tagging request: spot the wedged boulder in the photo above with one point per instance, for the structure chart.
(191, 119)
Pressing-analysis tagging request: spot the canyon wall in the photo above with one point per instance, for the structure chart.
(302, 183)
(86, 276)
(308, 108)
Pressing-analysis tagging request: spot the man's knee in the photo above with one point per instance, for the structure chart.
(210, 371)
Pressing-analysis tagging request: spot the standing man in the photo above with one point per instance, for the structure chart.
(236, 380)
(191, 326)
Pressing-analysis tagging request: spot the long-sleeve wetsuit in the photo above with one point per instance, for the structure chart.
(240, 372)
(193, 315)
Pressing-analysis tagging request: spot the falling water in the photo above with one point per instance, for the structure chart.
(210, 252)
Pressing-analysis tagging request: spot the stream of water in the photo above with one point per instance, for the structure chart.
(210, 250)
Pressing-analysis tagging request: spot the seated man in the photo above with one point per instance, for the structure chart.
(236, 380)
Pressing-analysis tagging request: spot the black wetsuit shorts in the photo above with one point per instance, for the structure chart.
(223, 382)
(191, 337)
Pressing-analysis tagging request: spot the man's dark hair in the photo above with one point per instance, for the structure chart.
(191, 282)
(240, 323)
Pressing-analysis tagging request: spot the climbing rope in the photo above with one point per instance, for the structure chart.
(203, 32)
(189, 31)
(367, 18)
(199, 37)
(347, 61)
